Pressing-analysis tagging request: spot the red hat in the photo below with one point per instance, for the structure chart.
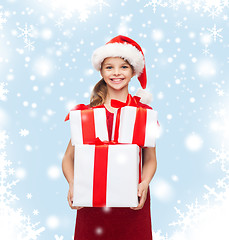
(125, 48)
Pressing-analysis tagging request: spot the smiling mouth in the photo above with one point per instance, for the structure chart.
(116, 79)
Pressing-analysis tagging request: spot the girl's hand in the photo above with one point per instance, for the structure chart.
(70, 198)
(142, 194)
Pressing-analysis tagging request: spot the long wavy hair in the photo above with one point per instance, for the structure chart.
(99, 93)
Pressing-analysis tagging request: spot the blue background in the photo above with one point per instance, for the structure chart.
(67, 77)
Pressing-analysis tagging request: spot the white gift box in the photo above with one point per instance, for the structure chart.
(106, 175)
(136, 126)
(88, 124)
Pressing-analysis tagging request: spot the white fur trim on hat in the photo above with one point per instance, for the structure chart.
(146, 97)
(123, 50)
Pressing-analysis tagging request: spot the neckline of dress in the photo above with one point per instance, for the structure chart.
(107, 110)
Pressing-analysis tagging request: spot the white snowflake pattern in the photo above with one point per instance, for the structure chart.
(3, 91)
(213, 8)
(222, 156)
(29, 45)
(14, 224)
(59, 23)
(158, 235)
(3, 18)
(206, 51)
(155, 3)
(195, 221)
(58, 237)
(27, 33)
(187, 218)
(102, 3)
(174, 4)
(24, 132)
(84, 15)
(3, 138)
(215, 33)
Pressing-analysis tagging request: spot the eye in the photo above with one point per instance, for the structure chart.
(108, 67)
(124, 66)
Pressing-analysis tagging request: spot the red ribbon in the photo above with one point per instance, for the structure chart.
(77, 107)
(100, 176)
(140, 127)
(88, 125)
(140, 120)
(100, 171)
(87, 122)
(130, 101)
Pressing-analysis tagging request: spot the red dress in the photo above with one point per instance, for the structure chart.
(96, 223)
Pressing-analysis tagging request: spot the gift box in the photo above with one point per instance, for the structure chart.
(135, 125)
(88, 124)
(106, 175)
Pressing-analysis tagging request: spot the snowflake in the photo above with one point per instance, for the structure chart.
(24, 132)
(58, 237)
(3, 19)
(3, 91)
(29, 195)
(220, 92)
(195, 222)
(174, 4)
(27, 33)
(3, 138)
(206, 51)
(14, 224)
(188, 218)
(158, 236)
(29, 45)
(178, 24)
(215, 33)
(35, 212)
(84, 16)
(102, 3)
(155, 4)
(197, 6)
(214, 8)
(222, 156)
(59, 23)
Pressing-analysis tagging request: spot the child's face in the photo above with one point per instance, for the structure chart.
(116, 72)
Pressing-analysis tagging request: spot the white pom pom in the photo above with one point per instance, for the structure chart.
(146, 97)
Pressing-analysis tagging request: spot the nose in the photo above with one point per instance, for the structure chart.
(116, 71)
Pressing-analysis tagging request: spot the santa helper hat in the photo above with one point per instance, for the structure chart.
(128, 49)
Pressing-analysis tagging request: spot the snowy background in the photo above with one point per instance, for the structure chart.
(45, 69)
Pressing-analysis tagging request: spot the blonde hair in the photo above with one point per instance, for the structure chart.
(99, 92)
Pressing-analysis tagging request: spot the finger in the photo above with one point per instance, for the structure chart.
(142, 201)
(140, 190)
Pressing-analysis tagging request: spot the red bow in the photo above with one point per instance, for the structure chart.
(77, 107)
(130, 101)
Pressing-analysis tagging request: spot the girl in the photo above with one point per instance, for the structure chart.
(118, 61)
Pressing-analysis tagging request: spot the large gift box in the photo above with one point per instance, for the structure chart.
(135, 125)
(106, 175)
(87, 125)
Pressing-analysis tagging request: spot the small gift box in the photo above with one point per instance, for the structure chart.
(106, 175)
(135, 125)
(88, 124)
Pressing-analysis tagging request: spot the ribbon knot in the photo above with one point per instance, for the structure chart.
(130, 101)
